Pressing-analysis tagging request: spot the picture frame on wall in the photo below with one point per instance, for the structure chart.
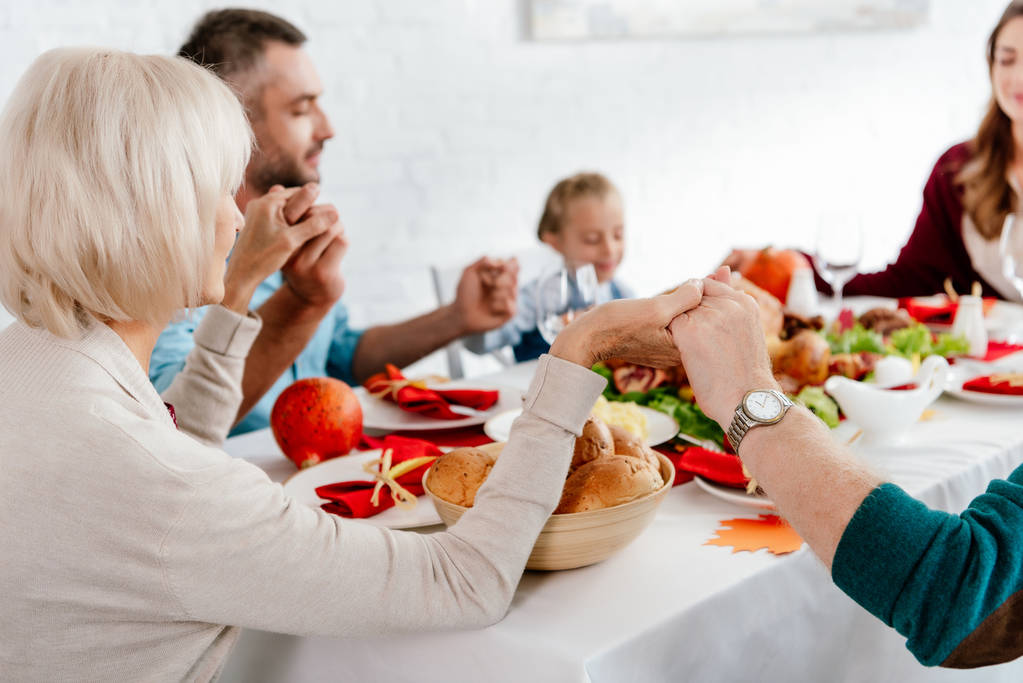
(558, 20)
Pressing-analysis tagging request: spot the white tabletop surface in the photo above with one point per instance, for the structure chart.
(668, 607)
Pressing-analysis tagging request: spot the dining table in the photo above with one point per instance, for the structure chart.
(669, 606)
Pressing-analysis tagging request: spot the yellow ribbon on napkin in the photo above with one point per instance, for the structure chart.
(385, 475)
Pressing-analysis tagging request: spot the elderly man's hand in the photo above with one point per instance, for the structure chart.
(722, 348)
(486, 295)
(635, 330)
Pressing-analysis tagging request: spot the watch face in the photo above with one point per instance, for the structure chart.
(762, 405)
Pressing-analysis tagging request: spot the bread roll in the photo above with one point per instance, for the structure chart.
(608, 481)
(627, 443)
(457, 475)
(595, 442)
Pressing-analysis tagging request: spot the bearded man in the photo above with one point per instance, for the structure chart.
(305, 328)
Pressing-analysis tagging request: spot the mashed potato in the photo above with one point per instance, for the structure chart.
(626, 415)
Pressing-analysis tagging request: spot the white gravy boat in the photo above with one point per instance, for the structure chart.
(884, 414)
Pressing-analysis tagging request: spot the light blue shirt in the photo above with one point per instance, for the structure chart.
(329, 352)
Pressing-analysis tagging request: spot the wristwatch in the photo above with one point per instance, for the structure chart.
(758, 407)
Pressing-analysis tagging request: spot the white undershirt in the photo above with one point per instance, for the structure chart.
(987, 261)
(985, 257)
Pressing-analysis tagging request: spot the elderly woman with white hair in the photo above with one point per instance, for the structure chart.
(131, 550)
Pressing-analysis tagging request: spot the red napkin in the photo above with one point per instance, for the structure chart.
(722, 468)
(997, 349)
(391, 385)
(1011, 385)
(459, 437)
(929, 311)
(352, 498)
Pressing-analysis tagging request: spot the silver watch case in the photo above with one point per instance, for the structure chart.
(743, 420)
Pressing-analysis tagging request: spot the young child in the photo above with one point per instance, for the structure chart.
(582, 220)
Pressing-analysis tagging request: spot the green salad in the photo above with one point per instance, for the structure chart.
(692, 421)
(915, 340)
(666, 399)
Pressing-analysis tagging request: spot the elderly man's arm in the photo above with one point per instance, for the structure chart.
(953, 585)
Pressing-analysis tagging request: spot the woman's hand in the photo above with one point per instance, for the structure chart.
(722, 348)
(276, 226)
(635, 330)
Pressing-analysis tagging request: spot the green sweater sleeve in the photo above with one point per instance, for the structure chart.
(945, 582)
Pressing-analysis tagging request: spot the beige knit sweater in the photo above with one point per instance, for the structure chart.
(130, 551)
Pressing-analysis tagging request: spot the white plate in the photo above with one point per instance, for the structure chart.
(983, 398)
(734, 495)
(661, 427)
(303, 484)
(380, 414)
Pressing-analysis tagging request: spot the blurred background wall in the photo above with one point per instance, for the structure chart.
(452, 125)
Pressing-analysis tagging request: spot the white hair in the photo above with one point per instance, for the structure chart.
(111, 168)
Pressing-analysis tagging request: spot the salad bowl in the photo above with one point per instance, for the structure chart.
(883, 414)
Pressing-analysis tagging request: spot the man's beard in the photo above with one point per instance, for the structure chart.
(267, 170)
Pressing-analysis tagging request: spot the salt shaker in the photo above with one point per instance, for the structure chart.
(969, 323)
(802, 295)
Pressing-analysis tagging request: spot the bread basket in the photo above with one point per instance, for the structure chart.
(579, 539)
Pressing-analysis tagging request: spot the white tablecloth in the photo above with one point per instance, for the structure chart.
(668, 607)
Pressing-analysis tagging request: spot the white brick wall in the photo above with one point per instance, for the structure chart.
(452, 125)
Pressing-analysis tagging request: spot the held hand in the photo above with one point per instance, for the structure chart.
(313, 273)
(486, 295)
(723, 349)
(267, 241)
(635, 330)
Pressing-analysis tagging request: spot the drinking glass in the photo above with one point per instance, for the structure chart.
(837, 253)
(562, 295)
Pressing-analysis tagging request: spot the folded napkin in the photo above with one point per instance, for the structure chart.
(998, 349)
(458, 437)
(722, 468)
(1010, 384)
(414, 397)
(354, 499)
(938, 309)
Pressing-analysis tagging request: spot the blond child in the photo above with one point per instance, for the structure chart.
(583, 221)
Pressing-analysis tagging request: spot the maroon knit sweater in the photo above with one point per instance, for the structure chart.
(935, 250)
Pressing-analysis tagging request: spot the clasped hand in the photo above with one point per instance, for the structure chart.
(707, 326)
(285, 230)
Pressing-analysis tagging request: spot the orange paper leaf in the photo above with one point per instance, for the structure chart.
(767, 531)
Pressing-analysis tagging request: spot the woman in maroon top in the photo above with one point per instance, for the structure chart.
(968, 195)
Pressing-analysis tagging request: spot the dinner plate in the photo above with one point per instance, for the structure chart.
(380, 414)
(660, 427)
(1004, 400)
(734, 495)
(303, 484)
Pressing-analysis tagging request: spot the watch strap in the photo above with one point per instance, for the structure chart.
(741, 424)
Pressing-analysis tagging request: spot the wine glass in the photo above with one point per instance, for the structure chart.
(562, 294)
(838, 250)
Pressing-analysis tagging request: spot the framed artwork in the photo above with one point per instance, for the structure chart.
(623, 19)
